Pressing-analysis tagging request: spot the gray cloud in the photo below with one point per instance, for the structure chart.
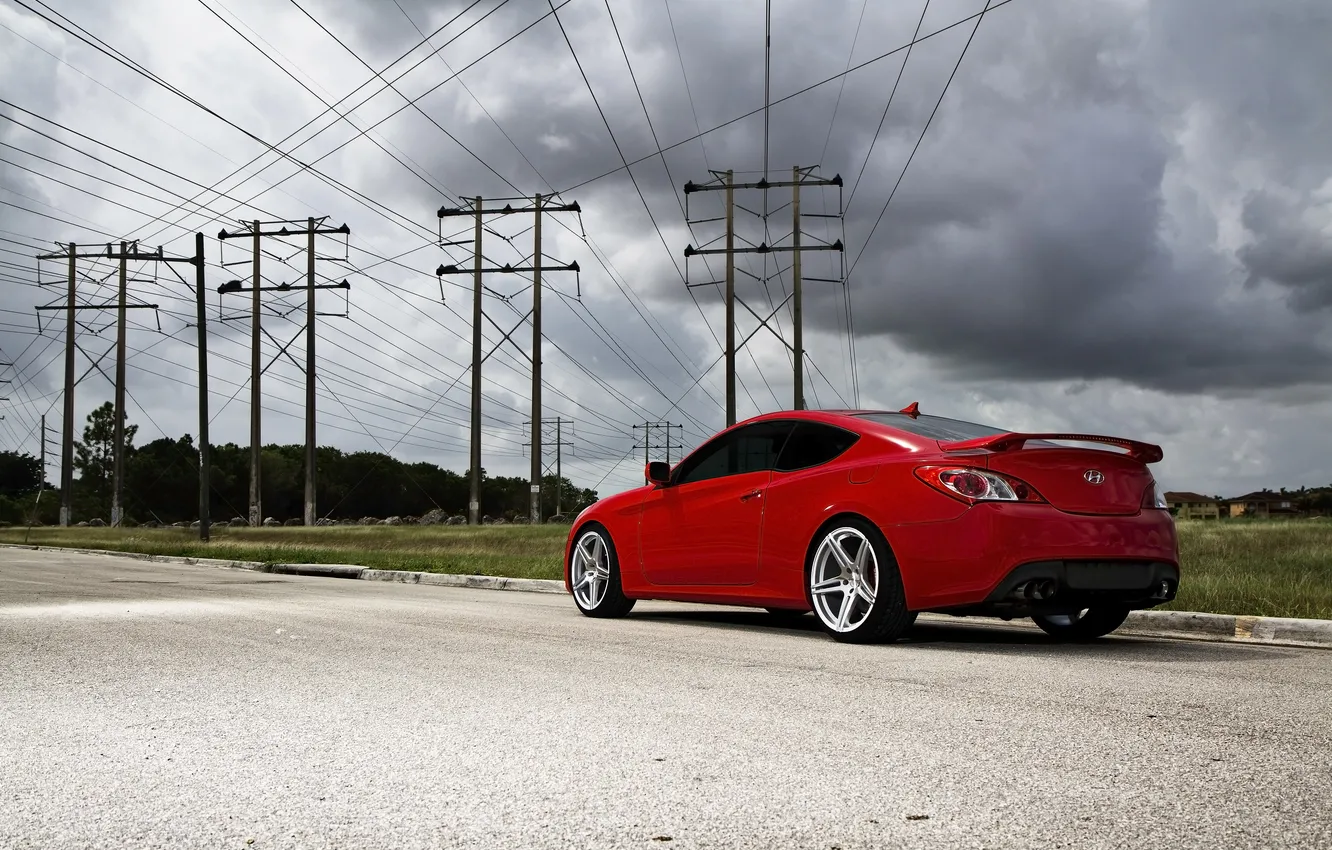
(1287, 250)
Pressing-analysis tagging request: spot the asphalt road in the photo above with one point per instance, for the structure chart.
(147, 705)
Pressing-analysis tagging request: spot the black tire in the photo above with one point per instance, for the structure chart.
(1086, 625)
(887, 618)
(611, 602)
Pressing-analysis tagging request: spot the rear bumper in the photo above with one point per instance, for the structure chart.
(979, 558)
(1054, 586)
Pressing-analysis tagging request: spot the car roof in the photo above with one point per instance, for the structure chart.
(829, 414)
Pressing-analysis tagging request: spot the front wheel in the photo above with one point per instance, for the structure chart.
(854, 585)
(1087, 624)
(594, 574)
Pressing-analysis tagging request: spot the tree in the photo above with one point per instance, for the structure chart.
(162, 481)
(19, 473)
(94, 457)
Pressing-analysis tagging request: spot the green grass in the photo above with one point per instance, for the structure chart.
(1270, 568)
(1266, 568)
(515, 551)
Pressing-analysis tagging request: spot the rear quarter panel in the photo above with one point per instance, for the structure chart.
(877, 483)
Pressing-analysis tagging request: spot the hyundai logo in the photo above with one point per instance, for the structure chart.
(1094, 476)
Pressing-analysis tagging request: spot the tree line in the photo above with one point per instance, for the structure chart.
(162, 483)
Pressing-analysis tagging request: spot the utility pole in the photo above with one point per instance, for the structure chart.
(255, 230)
(118, 450)
(539, 440)
(723, 181)
(478, 211)
(536, 363)
(120, 305)
(653, 430)
(559, 471)
(730, 298)
(67, 431)
(474, 476)
(205, 452)
(797, 295)
(256, 409)
(311, 451)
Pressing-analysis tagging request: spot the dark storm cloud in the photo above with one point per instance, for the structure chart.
(1029, 240)
(1287, 250)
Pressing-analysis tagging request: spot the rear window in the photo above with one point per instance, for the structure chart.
(813, 444)
(934, 427)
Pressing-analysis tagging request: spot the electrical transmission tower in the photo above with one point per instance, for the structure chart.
(255, 232)
(479, 212)
(653, 431)
(724, 181)
(559, 444)
(129, 251)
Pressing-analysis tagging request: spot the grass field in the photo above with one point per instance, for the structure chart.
(1273, 568)
(506, 550)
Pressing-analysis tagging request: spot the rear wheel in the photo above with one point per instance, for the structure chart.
(594, 574)
(854, 585)
(1087, 624)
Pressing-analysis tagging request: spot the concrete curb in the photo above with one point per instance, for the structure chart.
(1179, 625)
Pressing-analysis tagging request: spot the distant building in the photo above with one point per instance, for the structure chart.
(1186, 505)
(1263, 503)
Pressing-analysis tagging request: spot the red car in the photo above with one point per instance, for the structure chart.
(870, 517)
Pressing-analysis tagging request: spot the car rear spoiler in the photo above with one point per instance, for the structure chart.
(1145, 452)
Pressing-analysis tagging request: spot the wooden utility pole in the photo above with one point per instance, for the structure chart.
(723, 181)
(118, 450)
(205, 452)
(730, 298)
(67, 429)
(474, 491)
(797, 295)
(120, 305)
(256, 411)
(539, 466)
(649, 429)
(479, 212)
(313, 227)
(536, 365)
(311, 450)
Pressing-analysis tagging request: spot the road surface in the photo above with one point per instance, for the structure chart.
(153, 705)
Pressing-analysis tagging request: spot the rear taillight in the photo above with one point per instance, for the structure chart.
(1153, 498)
(972, 485)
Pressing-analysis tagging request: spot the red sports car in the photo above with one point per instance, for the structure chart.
(870, 517)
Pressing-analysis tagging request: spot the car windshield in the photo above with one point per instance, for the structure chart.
(934, 427)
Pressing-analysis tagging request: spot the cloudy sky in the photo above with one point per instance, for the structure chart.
(1118, 220)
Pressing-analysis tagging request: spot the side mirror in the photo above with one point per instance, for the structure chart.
(659, 472)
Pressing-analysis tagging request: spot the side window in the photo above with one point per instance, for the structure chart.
(712, 461)
(759, 445)
(750, 449)
(812, 444)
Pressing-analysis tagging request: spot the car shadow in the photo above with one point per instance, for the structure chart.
(979, 636)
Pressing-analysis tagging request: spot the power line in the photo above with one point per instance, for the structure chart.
(888, 105)
(923, 131)
(780, 100)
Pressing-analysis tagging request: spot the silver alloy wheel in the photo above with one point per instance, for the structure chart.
(844, 579)
(1066, 620)
(590, 571)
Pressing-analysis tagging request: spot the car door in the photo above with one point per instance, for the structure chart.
(803, 483)
(704, 527)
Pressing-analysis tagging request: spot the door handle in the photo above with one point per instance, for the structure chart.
(750, 495)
